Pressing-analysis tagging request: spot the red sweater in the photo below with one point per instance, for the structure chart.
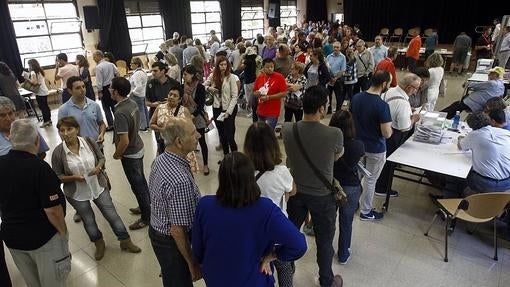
(413, 50)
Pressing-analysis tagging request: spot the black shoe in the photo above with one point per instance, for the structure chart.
(135, 210)
(393, 193)
(435, 196)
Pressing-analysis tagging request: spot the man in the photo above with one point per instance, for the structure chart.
(324, 146)
(497, 30)
(189, 52)
(157, 91)
(402, 121)
(481, 93)
(373, 125)
(235, 57)
(364, 67)
(63, 71)
(497, 103)
(269, 88)
(413, 49)
(337, 64)
(33, 210)
(387, 64)
(431, 43)
(283, 61)
(490, 151)
(174, 197)
(483, 45)
(177, 51)
(498, 119)
(419, 99)
(504, 50)
(461, 47)
(105, 72)
(129, 147)
(379, 51)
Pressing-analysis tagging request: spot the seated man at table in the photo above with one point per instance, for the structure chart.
(481, 93)
(490, 149)
(498, 119)
(498, 103)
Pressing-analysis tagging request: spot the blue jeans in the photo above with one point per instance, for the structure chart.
(271, 121)
(323, 212)
(174, 269)
(105, 205)
(345, 217)
(133, 168)
(144, 112)
(483, 184)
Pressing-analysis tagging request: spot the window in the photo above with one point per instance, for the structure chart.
(145, 26)
(288, 13)
(205, 16)
(44, 29)
(252, 21)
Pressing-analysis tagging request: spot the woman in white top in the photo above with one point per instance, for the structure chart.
(174, 71)
(273, 177)
(138, 81)
(79, 164)
(435, 64)
(36, 77)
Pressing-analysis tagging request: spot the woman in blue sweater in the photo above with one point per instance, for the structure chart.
(237, 233)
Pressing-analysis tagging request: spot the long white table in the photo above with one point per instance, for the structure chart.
(29, 97)
(482, 77)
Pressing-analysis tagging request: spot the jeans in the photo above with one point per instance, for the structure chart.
(345, 217)
(347, 92)
(374, 164)
(144, 113)
(411, 64)
(285, 272)
(42, 102)
(133, 168)
(5, 279)
(248, 93)
(174, 269)
(203, 145)
(105, 205)
(271, 121)
(480, 183)
(226, 130)
(323, 212)
(296, 113)
(47, 266)
(362, 85)
(254, 105)
(337, 88)
(108, 105)
(452, 109)
(392, 144)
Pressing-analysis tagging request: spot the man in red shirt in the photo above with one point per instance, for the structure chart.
(413, 50)
(387, 65)
(269, 88)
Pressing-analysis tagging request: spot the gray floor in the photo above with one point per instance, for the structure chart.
(393, 252)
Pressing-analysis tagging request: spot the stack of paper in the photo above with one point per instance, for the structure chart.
(428, 133)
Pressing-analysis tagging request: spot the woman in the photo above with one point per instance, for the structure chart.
(435, 64)
(236, 233)
(223, 85)
(273, 178)
(138, 81)
(9, 88)
(174, 71)
(79, 164)
(36, 77)
(345, 170)
(317, 71)
(350, 76)
(83, 67)
(249, 67)
(299, 53)
(194, 100)
(296, 82)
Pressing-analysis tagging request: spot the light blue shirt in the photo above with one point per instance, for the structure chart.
(105, 72)
(379, 53)
(336, 63)
(483, 91)
(490, 149)
(88, 118)
(6, 146)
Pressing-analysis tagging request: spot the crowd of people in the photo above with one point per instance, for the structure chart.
(261, 203)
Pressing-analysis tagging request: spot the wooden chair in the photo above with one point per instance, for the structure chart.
(122, 67)
(397, 35)
(476, 208)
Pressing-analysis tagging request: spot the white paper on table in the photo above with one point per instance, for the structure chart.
(221, 117)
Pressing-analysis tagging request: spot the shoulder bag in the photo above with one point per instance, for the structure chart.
(34, 88)
(334, 186)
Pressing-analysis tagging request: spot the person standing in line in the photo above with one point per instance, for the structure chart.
(350, 77)
(483, 45)
(33, 211)
(249, 67)
(379, 51)
(373, 124)
(504, 50)
(324, 146)
(138, 81)
(431, 42)
(293, 101)
(64, 71)
(174, 196)
(189, 52)
(36, 77)
(461, 47)
(177, 52)
(364, 67)
(83, 67)
(387, 64)
(129, 148)
(435, 65)
(105, 72)
(413, 49)
(337, 65)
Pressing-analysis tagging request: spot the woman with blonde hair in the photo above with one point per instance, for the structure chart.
(435, 64)
(174, 71)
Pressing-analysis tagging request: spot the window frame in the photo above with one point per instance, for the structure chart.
(49, 22)
(206, 35)
(289, 7)
(145, 42)
(253, 31)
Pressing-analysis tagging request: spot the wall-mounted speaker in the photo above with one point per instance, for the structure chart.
(91, 15)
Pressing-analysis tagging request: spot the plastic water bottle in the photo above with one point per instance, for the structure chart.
(456, 121)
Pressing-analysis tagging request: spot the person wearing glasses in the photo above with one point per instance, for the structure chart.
(138, 81)
(402, 121)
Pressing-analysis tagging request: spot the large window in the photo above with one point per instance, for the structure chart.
(252, 21)
(45, 28)
(288, 13)
(145, 26)
(205, 16)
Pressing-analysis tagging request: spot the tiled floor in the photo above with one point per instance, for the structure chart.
(393, 252)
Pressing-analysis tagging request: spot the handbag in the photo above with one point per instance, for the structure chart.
(209, 98)
(334, 186)
(34, 88)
